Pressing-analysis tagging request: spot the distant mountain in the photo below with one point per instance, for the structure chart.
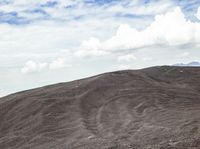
(157, 107)
(191, 64)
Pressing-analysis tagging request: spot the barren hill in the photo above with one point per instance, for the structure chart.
(154, 108)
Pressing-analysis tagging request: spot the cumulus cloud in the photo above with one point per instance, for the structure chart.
(91, 47)
(170, 29)
(32, 66)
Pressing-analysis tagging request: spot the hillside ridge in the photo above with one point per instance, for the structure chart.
(156, 107)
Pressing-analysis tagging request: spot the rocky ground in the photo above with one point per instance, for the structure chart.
(153, 108)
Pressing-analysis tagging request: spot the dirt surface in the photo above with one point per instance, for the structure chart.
(153, 108)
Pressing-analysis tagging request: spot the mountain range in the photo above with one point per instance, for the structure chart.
(190, 64)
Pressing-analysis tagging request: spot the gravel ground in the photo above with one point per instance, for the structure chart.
(152, 108)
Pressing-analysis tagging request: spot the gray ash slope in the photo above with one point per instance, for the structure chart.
(157, 107)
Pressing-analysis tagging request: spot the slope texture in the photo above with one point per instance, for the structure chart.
(152, 108)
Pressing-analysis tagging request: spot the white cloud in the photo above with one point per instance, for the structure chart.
(198, 13)
(91, 47)
(126, 58)
(131, 7)
(170, 29)
(32, 66)
(57, 64)
(58, 35)
(137, 8)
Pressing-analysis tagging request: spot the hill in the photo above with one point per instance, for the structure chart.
(154, 108)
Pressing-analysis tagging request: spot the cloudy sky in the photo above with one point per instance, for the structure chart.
(49, 41)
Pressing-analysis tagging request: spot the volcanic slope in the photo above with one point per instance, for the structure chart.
(154, 108)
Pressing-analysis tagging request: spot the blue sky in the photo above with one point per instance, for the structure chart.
(19, 12)
(48, 41)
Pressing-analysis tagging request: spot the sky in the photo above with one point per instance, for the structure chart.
(49, 41)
